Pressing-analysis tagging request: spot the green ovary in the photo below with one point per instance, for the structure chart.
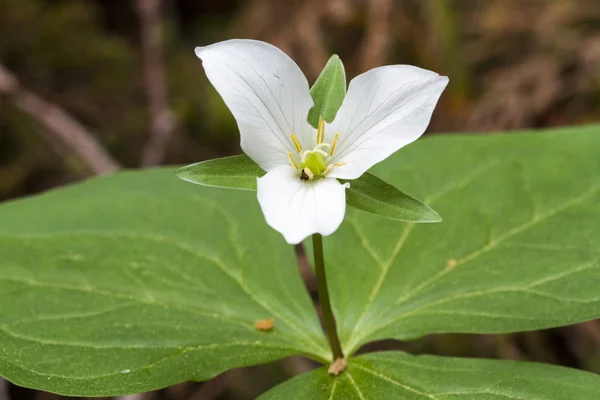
(315, 161)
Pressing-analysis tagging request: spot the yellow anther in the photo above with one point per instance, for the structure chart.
(335, 139)
(308, 173)
(291, 157)
(321, 131)
(296, 143)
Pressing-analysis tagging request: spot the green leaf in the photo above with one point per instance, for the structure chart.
(373, 195)
(236, 172)
(328, 92)
(400, 376)
(138, 281)
(519, 248)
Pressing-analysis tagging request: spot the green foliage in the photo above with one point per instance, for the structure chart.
(138, 281)
(328, 92)
(367, 193)
(399, 376)
(518, 249)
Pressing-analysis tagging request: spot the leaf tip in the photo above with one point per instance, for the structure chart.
(180, 172)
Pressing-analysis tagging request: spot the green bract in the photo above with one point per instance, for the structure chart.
(236, 172)
(397, 375)
(137, 281)
(520, 233)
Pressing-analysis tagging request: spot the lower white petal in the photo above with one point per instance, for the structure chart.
(385, 109)
(299, 209)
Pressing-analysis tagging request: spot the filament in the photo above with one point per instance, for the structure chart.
(291, 157)
(296, 142)
(335, 139)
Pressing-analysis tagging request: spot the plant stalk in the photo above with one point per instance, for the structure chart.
(328, 318)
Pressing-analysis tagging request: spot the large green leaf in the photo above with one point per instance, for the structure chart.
(328, 92)
(399, 376)
(367, 193)
(138, 281)
(519, 248)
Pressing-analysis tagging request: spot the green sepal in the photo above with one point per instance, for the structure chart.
(328, 92)
(367, 193)
(373, 195)
(235, 172)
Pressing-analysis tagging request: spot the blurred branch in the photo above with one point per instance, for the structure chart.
(211, 389)
(303, 30)
(446, 37)
(162, 122)
(140, 396)
(589, 330)
(309, 36)
(60, 126)
(4, 389)
(375, 45)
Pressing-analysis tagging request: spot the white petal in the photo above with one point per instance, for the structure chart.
(266, 92)
(385, 109)
(298, 209)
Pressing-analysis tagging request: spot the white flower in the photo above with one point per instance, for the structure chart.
(384, 109)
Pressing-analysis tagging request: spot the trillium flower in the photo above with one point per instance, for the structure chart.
(384, 109)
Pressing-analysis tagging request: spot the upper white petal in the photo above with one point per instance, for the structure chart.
(298, 209)
(266, 92)
(385, 109)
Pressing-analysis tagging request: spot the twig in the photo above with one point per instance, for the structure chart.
(60, 125)
(374, 48)
(444, 30)
(309, 36)
(589, 330)
(212, 389)
(162, 121)
(297, 365)
(140, 396)
(303, 30)
(4, 389)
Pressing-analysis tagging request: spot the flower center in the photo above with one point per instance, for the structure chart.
(317, 162)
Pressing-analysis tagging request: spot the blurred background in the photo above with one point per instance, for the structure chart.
(91, 86)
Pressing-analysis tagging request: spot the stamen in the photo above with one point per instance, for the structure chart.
(308, 172)
(333, 165)
(335, 139)
(321, 131)
(292, 160)
(296, 142)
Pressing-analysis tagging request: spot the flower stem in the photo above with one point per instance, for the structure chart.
(328, 318)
